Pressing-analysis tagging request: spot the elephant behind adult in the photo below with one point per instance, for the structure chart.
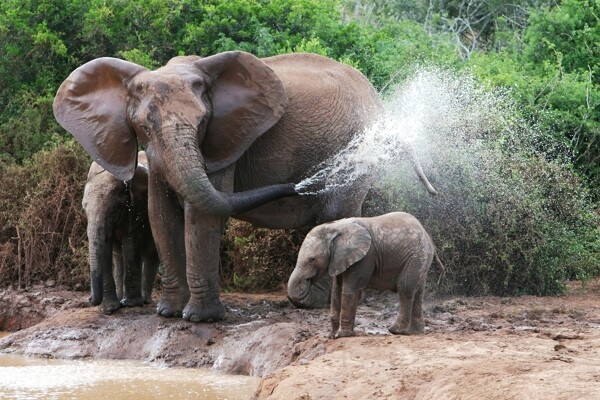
(225, 135)
(122, 255)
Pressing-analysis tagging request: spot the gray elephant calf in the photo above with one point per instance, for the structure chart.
(120, 240)
(388, 252)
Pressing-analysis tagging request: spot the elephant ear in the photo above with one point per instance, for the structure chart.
(350, 244)
(91, 104)
(248, 99)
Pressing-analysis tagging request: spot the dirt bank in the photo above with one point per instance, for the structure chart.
(484, 348)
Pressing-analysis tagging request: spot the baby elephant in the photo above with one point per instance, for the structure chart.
(120, 241)
(388, 252)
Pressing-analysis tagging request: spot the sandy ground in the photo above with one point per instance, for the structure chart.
(474, 348)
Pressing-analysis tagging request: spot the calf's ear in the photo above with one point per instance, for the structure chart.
(350, 245)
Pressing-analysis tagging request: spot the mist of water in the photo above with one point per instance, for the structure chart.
(432, 110)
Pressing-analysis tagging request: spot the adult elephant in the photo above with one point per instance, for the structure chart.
(224, 135)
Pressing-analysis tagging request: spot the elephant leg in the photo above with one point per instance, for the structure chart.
(117, 272)
(149, 271)
(336, 304)
(110, 302)
(202, 243)
(410, 291)
(132, 291)
(402, 324)
(345, 201)
(166, 220)
(349, 302)
(417, 324)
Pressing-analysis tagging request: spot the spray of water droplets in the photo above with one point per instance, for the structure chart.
(434, 107)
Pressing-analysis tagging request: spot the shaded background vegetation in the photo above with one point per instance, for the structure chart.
(529, 226)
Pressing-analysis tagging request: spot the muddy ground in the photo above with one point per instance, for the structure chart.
(473, 348)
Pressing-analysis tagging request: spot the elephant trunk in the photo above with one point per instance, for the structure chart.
(100, 258)
(186, 173)
(305, 292)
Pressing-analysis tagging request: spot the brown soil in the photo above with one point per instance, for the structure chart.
(479, 348)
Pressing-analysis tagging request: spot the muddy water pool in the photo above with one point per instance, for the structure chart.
(35, 378)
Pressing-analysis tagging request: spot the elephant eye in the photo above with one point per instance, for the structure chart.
(146, 130)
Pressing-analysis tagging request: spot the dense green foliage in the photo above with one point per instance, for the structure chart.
(511, 217)
(524, 223)
(553, 72)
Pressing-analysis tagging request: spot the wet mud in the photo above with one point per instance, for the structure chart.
(487, 347)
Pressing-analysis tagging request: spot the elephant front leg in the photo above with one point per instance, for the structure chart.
(166, 221)
(336, 303)
(349, 303)
(132, 291)
(110, 301)
(202, 243)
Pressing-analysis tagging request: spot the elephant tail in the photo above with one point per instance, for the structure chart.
(410, 150)
(440, 266)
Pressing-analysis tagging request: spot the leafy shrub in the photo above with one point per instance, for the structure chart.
(43, 235)
(511, 217)
(552, 70)
(258, 259)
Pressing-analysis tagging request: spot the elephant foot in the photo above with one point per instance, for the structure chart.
(399, 330)
(109, 306)
(204, 312)
(167, 309)
(345, 333)
(132, 302)
(416, 329)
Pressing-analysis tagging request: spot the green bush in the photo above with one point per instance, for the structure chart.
(552, 70)
(509, 218)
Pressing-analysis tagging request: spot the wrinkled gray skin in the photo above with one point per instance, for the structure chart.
(123, 258)
(225, 135)
(389, 252)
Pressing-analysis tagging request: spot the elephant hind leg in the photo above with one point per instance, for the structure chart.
(417, 324)
(149, 271)
(402, 324)
(410, 318)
